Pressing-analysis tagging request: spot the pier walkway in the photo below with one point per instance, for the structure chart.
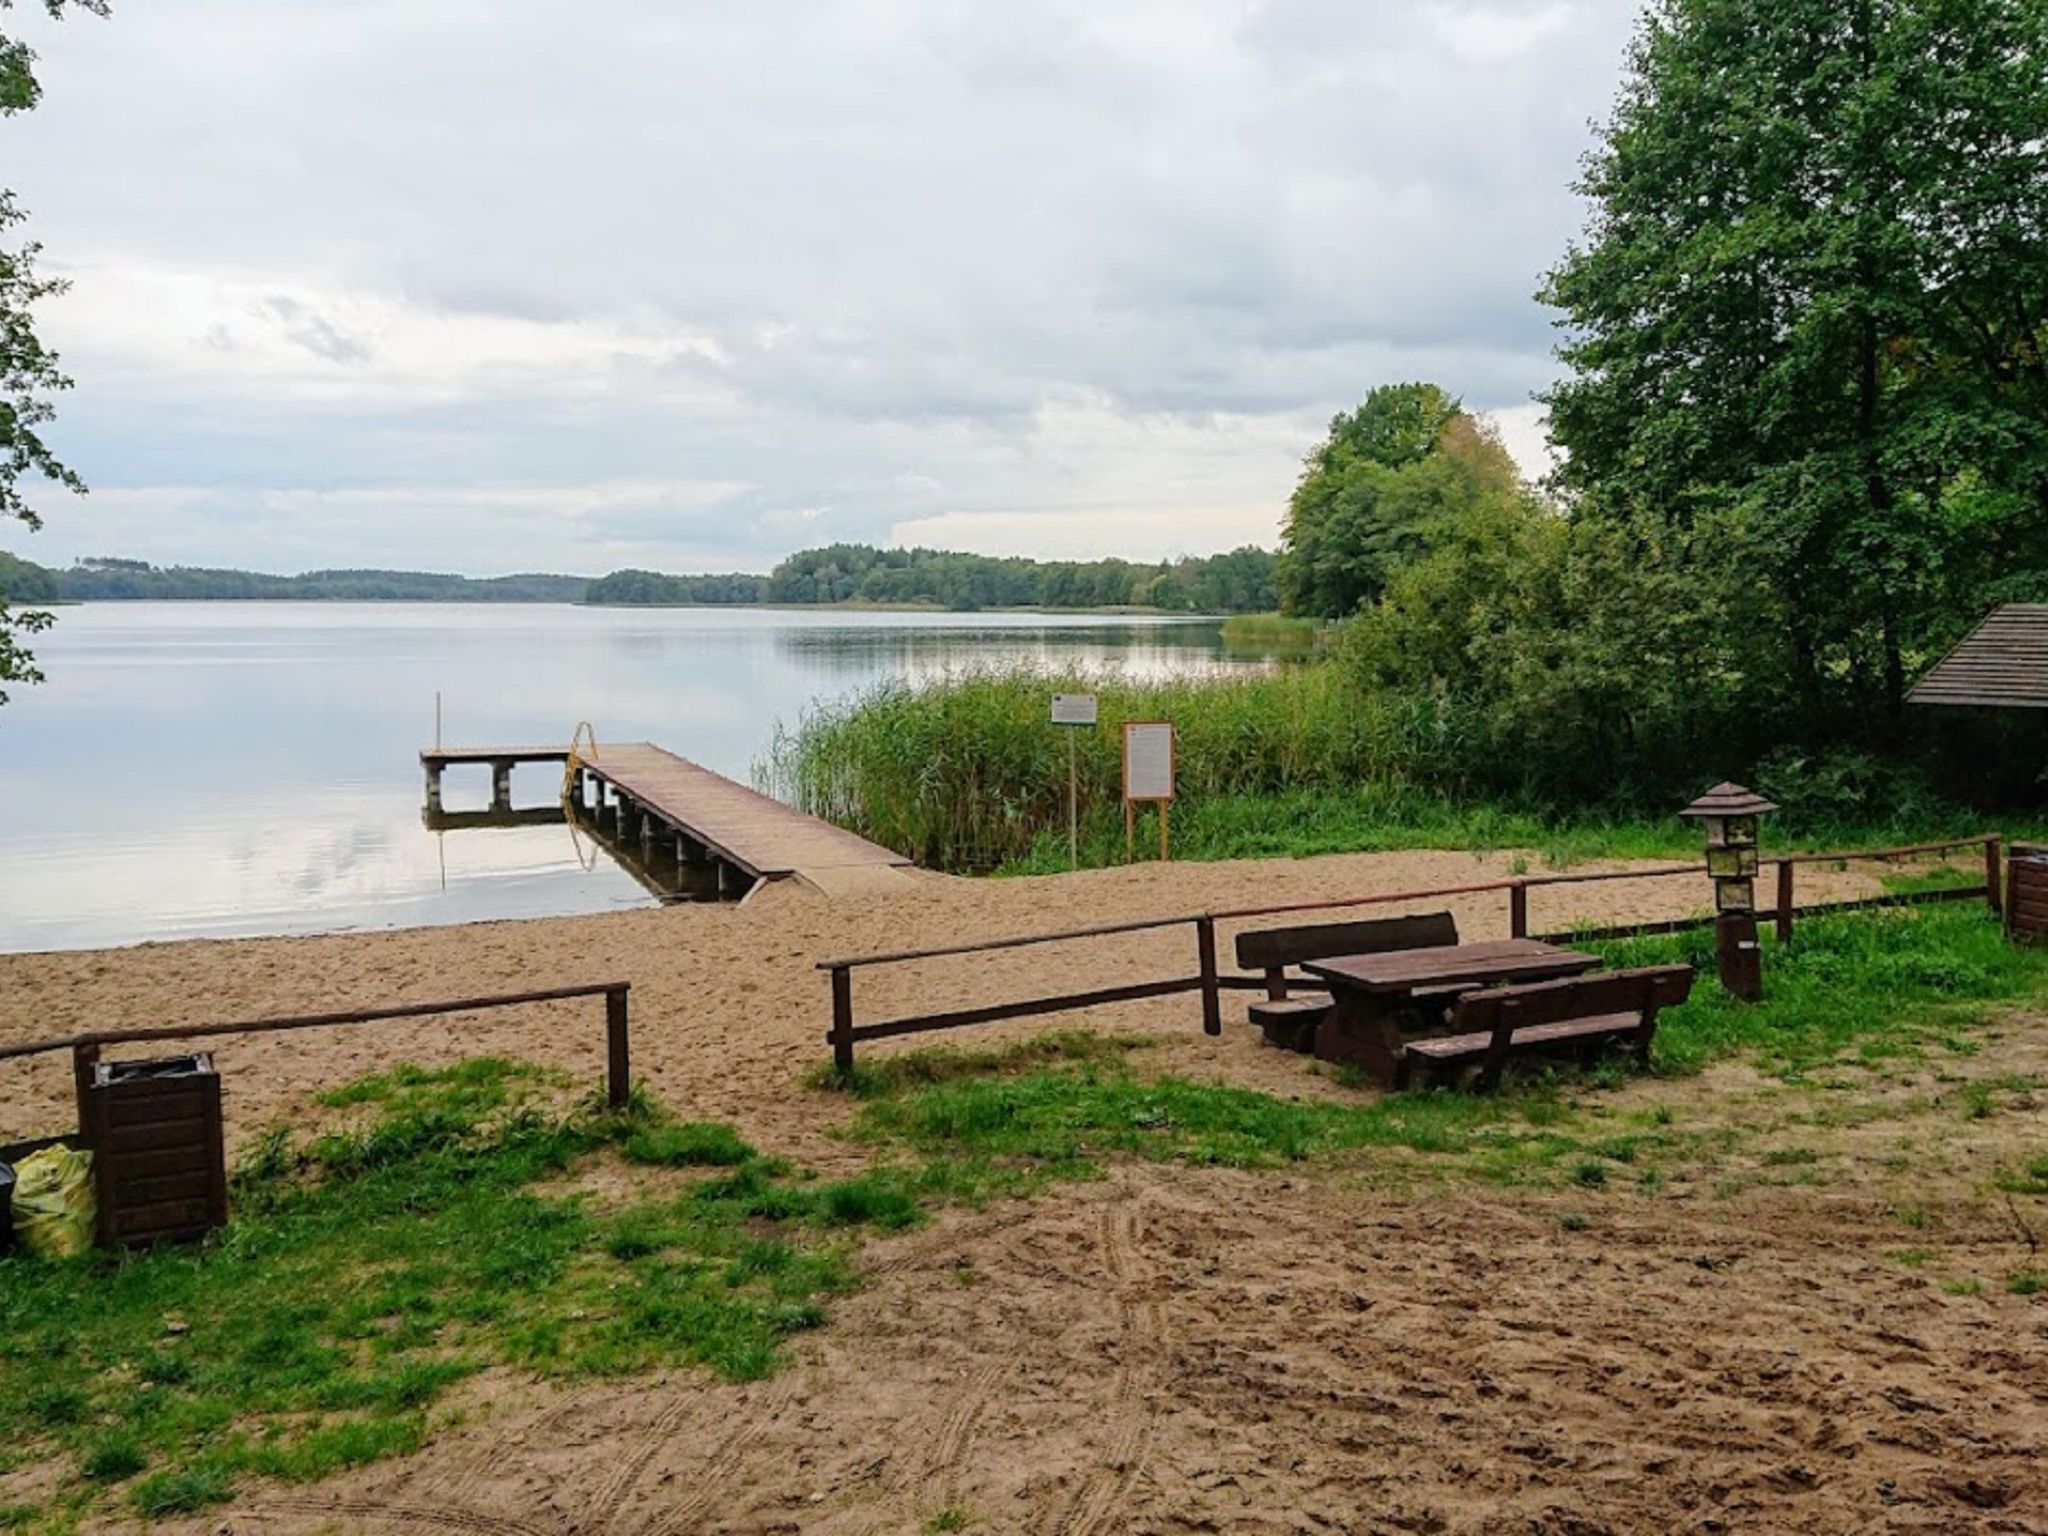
(734, 836)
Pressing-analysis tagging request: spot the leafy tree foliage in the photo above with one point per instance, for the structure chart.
(1805, 423)
(1375, 490)
(1811, 313)
(28, 370)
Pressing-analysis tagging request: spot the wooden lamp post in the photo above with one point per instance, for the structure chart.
(1729, 813)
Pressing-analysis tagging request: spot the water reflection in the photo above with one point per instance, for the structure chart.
(1139, 651)
(231, 768)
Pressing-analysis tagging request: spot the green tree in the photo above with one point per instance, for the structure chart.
(1374, 491)
(28, 370)
(1811, 311)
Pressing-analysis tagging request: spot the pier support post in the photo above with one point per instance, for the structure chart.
(501, 785)
(647, 840)
(434, 787)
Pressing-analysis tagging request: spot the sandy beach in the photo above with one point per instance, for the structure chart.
(729, 1009)
(1174, 1349)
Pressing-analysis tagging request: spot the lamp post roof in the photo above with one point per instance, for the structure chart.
(1726, 799)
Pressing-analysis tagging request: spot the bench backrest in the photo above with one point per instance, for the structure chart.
(1268, 949)
(1641, 991)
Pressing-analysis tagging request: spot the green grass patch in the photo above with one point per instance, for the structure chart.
(2031, 1178)
(1876, 983)
(688, 1144)
(930, 1064)
(370, 1269)
(972, 1138)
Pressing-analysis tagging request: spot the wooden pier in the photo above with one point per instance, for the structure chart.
(724, 837)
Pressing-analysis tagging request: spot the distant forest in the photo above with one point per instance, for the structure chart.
(1238, 582)
(107, 580)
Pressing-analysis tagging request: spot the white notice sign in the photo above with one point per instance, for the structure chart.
(1073, 709)
(1148, 760)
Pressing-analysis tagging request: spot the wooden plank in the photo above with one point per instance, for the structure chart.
(162, 1136)
(157, 1164)
(1451, 1047)
(1404, 970)
(1260, 948)
(447, 755)
(1021, 1010)
(133, 1106)
(92, 1042)
(760, 836)
(195, 1184)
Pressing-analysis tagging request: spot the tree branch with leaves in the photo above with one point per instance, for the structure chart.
(29, 376)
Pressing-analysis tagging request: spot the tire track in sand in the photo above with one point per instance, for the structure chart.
(436, 1517)
(618, 1484)
(462, 1471)
(725, 1461)
(1106, 1491)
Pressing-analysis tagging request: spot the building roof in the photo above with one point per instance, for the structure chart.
(2001, 664)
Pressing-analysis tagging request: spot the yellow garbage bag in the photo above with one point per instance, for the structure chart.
(55, 1206)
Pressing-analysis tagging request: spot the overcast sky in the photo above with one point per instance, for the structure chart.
(488, 285)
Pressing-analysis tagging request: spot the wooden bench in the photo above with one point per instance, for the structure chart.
(1488, 1027)
(1290, 1020)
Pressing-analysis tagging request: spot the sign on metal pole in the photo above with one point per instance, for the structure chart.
(1073, 709)
(1148, 778)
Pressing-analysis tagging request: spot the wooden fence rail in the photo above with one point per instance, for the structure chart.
(846, 1033)
(85, 1048)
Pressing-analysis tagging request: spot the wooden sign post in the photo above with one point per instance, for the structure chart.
(1075, 711)
(1148, 779)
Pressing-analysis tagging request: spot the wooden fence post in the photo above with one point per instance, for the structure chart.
(618, 1075)
(1212, 999)
(83, 1059)
(1518, 910)
(842, 1020)
(1785, 900)
(1992, 894)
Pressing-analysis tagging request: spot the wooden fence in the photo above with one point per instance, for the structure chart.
(85, 1049)
(1206, 979)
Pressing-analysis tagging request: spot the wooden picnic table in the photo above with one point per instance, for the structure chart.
(1375, 996)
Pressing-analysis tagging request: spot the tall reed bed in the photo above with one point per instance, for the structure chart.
(966, 773)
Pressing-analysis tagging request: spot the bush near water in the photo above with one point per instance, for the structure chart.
(967, 773)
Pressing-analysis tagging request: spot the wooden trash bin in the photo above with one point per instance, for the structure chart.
(2026, 894)
(159, 1163)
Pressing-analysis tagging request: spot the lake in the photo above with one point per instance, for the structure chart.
(242, 768)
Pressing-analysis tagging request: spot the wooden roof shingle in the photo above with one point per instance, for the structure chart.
(2001, 664)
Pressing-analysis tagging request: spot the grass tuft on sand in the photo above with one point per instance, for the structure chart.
(370, 1269)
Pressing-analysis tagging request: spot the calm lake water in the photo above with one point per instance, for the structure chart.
(227, 768)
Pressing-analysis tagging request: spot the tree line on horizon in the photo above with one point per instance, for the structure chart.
(1239, 581)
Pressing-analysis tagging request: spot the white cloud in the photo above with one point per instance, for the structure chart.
(352, 279)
